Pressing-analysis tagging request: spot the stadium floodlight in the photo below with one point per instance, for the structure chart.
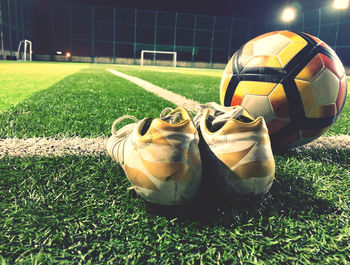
(288, 14)
(68, 55)
(23, 47)
(161, 52)
(340, 4)
(59, 52)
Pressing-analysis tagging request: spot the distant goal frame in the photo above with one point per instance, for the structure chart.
(25, 44)
(160, 52)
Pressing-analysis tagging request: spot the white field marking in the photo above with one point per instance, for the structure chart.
(178, 100)
(48, 147)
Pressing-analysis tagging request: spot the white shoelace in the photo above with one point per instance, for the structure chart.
(218, 113)
(172, 119)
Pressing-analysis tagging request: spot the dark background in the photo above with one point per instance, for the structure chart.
(248, 9)
(200, 31)
(233, 8)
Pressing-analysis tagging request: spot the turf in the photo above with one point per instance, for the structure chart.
(197, 86)
(77, 209)
(18, 81)
(83, 104)
(205, 88)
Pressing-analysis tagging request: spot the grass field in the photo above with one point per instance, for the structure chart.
(18, 82)
(77, 209)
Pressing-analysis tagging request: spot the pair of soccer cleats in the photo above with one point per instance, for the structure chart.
(165, 158)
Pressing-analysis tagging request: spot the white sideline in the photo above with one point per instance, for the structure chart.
(48, 147)
(52, 147)
(178, 100)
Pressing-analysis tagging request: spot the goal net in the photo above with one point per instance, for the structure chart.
(149, 57)
(24, 52)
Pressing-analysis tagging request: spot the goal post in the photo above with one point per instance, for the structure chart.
(24, 50)
(159, 52)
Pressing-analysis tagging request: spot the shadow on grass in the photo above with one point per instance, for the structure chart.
(290, 196)
(97, 182)
(339, 157)
(84, 103)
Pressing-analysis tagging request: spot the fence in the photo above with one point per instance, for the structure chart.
(16, 23)
(96, 31)
(330, 25)
(117, 32)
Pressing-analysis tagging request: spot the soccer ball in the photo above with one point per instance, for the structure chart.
(294, 80)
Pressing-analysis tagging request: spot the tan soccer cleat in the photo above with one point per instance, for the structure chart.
(235, 149)
(160, 157)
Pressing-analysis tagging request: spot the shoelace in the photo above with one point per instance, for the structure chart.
(122, 134)
(172, 119)
(220, 114)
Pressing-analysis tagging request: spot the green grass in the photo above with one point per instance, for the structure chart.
(200, 86)
(19, 81)
(342, 126)
(84, 104)
(78, 209)
(71, 209)
(203, 86)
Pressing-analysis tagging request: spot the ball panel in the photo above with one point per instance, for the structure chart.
(288, 53)
(341, 94)
(247, 53)
(257, 88)
(259, 106)
(325, 87)
(264, 35)
(228, 68)
(275, 125)
(293, 37)
(263, 61)
(311, 69)
(334, 65)
(307, 97)
(238, 95)
(287, 141)
(323, 111)
(309, 133)
(279, 103)
(270, 45)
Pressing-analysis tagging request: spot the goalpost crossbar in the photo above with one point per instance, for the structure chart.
(24, 44)
(161, 52)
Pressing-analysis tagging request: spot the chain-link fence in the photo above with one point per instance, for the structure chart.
(16, 23)
(330, 25)
(94, 31)
(117, 32)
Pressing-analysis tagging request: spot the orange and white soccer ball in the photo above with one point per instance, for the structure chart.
(294, 80)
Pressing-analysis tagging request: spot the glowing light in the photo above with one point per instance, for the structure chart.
(59, 52)
(288, 14)
(68, 54)
(341, 4)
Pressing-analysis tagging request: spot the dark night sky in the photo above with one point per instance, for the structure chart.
(235, 8)
(230, 8)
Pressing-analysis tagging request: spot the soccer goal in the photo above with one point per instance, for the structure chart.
(173, 60)
(24, 52)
